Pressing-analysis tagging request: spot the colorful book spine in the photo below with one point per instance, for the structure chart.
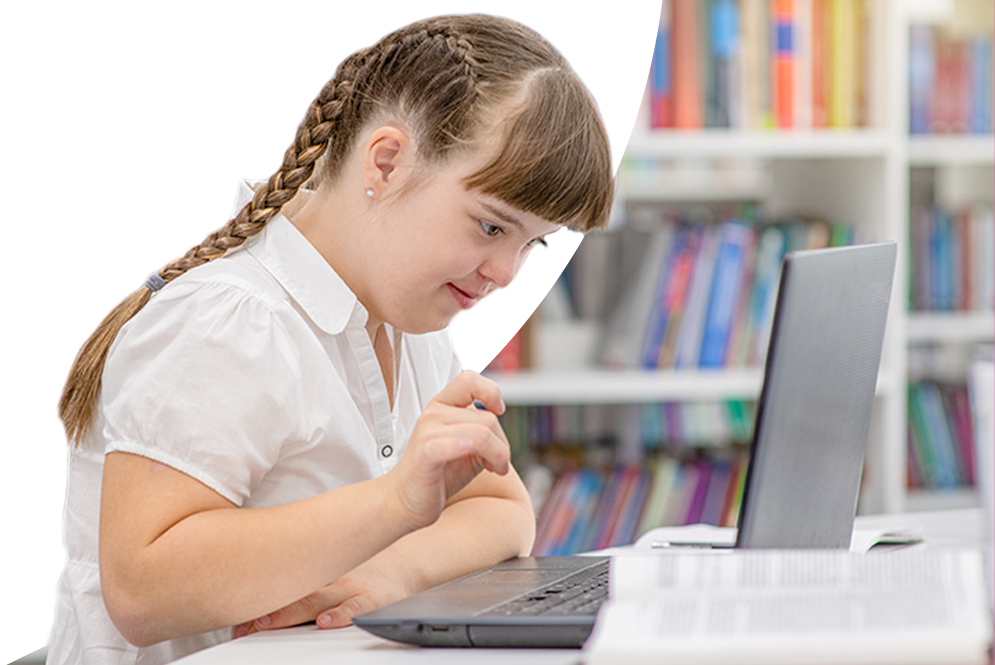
(842, 64)
(723, 38)
(686, 66)
(725, 290)
(661, 114)
(820, 63)
(784, 63)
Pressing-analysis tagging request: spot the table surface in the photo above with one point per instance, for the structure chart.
(304, 645)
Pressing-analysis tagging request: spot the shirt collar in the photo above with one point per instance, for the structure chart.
(303, 271)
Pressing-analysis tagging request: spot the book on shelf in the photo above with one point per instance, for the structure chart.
(941, 442)
(950, 82)
(913, 606)
(952, 256)
(757, 64)
(702, 295)
(693, 470)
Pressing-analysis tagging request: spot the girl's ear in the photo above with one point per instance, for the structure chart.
(387, 158)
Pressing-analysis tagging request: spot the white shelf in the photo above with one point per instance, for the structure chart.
(928, 150)
(928, 500)
(951, 327)
(732, 144)
(598, 386)
(24, 645)
(28, 396)
(220, 144)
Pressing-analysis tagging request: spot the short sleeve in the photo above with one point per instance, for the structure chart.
(205, 379)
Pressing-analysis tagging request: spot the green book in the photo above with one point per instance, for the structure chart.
(164, 66)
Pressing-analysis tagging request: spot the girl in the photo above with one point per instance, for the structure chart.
(238, 424)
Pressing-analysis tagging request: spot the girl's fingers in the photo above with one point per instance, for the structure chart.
(469, 387)
(461, 441)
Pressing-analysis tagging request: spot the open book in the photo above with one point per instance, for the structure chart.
(907, 607)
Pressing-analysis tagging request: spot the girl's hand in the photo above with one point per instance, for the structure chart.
(363, 589)
(451, 443)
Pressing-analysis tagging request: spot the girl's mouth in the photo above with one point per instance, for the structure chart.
(463, 299)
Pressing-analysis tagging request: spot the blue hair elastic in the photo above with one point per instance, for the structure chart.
(153, 282)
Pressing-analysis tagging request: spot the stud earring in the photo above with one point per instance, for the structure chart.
(369, 193)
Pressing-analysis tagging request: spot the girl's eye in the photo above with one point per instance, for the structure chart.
(489, 229)
(538, 241)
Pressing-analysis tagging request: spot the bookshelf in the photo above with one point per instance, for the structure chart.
(869, 175)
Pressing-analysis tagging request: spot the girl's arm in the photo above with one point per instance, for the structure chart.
(490, 520)
(176, 558)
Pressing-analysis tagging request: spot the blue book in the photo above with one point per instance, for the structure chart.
(942, 260)
(725, 292)
(980, 85)
(723, 37)
(660, 84)
(586, 501)
(938, 430)
(922, 71)
(660, 315)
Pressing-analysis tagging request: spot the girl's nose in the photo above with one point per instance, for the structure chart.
(502, 268)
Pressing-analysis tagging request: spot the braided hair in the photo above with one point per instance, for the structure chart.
(448, 78)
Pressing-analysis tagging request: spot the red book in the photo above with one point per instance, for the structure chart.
(784, 63)
(960, 94)
(686, 88)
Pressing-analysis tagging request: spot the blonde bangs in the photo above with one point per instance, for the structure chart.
(554, 160)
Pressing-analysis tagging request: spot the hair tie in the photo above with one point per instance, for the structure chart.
(154, 282)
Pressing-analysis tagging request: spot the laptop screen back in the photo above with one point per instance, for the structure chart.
(814, 414)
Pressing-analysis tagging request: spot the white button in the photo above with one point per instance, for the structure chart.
(387, 451)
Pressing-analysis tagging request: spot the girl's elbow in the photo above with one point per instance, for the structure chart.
(130, 609)
(129, 615)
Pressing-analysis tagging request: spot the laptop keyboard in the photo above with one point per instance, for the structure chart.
(580, 594)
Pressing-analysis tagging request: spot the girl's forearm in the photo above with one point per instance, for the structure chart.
(214, 568)
(472, 533)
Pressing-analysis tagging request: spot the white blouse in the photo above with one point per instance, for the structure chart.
(255, 375)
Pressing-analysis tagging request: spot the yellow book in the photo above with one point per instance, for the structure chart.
(842, 63)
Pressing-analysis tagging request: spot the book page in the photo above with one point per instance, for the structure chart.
(795, 606)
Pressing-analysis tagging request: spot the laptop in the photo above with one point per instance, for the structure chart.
(809, 439)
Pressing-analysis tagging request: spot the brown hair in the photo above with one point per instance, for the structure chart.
(445, 77)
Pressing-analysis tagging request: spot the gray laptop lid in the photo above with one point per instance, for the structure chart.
(814, 413)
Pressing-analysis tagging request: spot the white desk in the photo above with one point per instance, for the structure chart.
(307, 645)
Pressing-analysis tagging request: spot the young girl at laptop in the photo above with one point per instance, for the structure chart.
(238, 422)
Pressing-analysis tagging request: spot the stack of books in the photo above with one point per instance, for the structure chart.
(941, 439)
